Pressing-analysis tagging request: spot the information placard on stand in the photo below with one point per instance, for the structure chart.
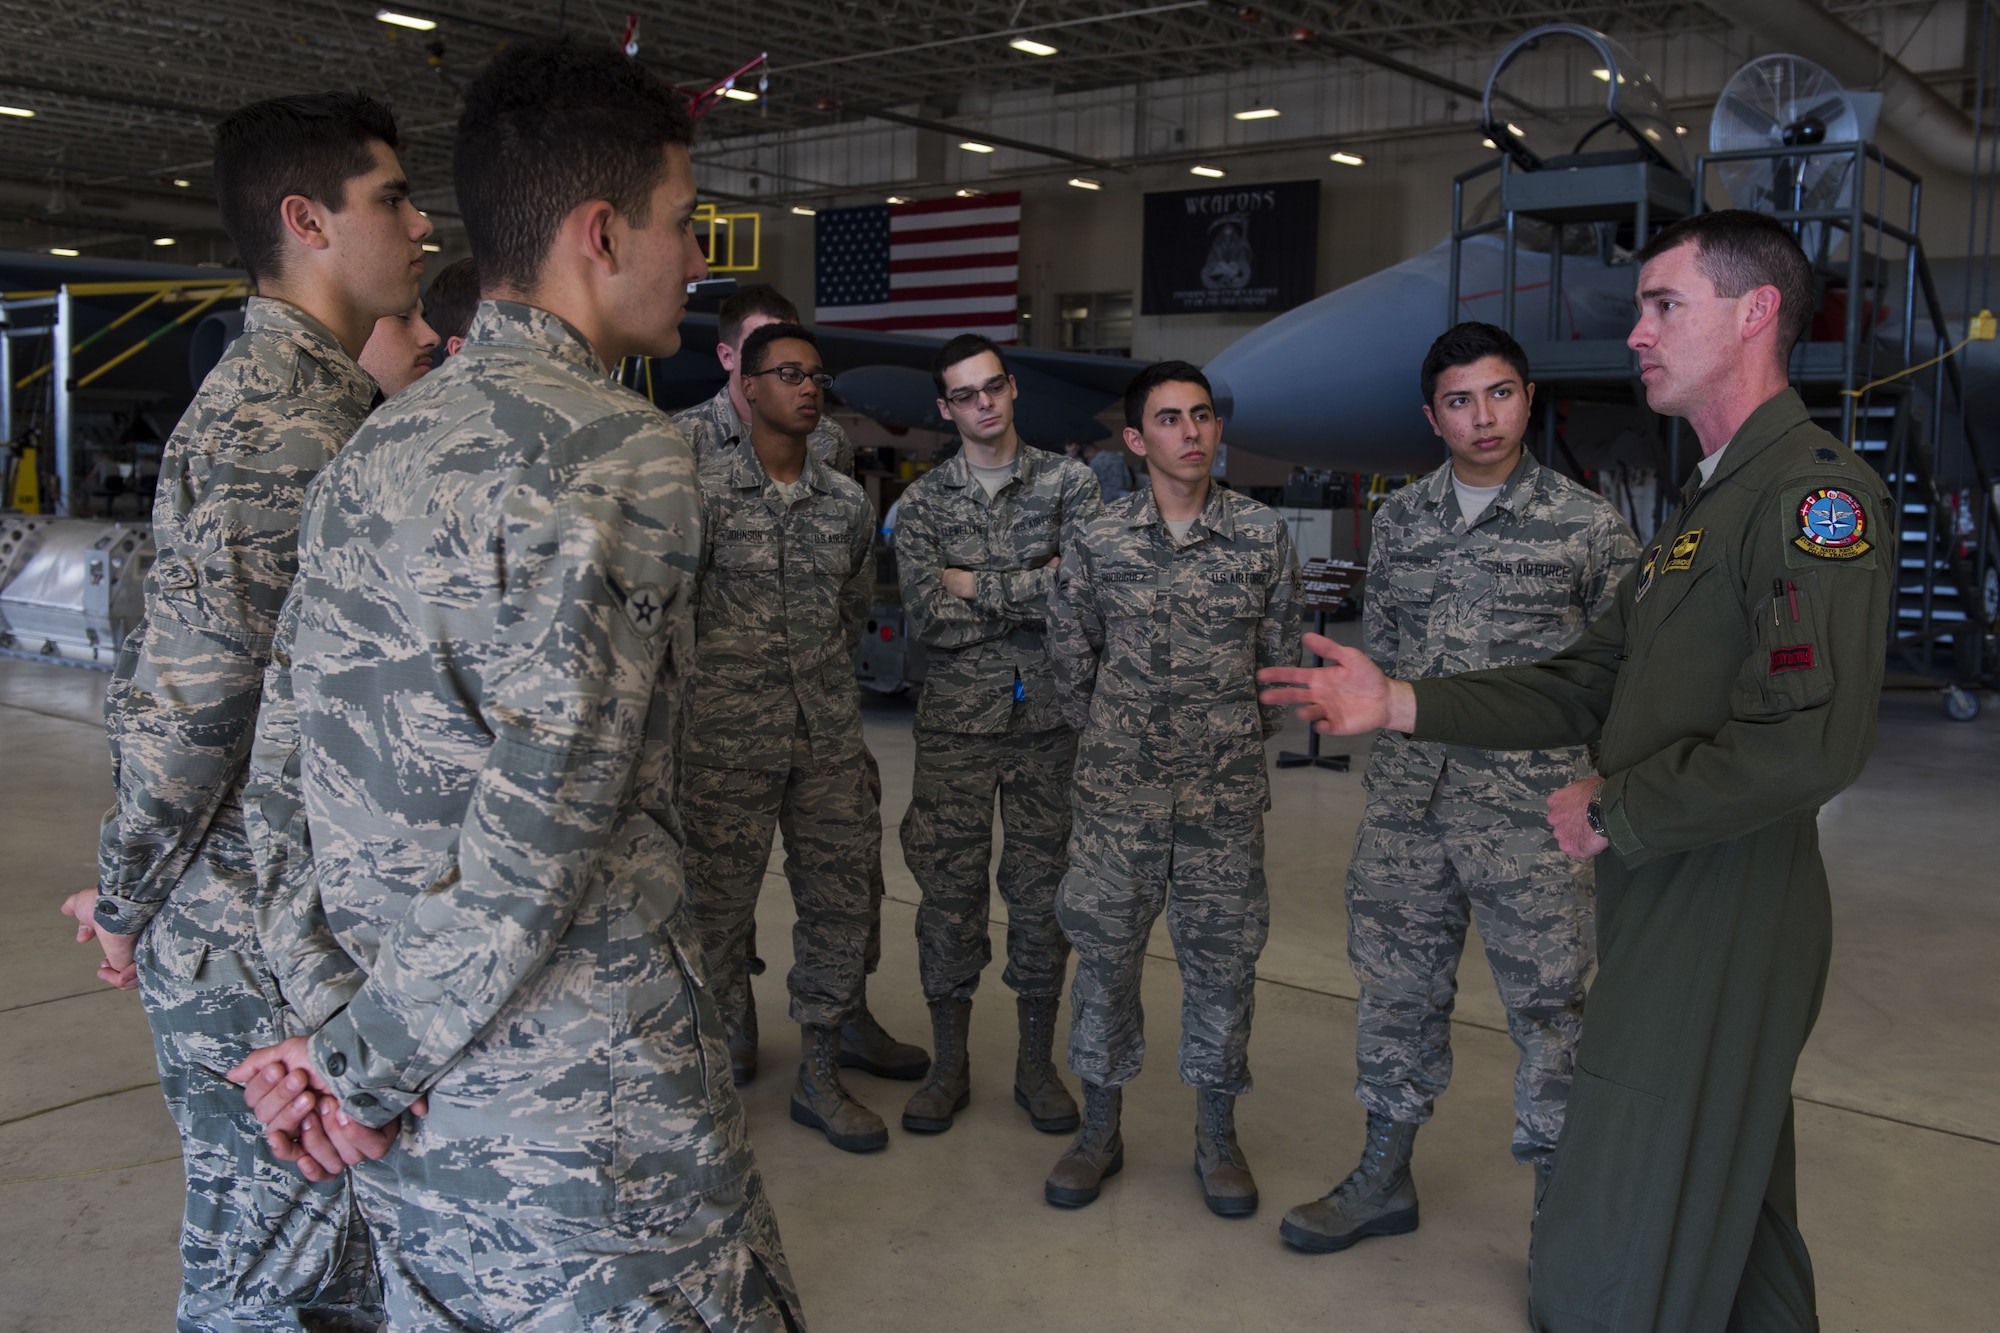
(1324, 586)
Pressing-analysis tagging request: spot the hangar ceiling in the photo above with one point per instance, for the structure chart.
(124, 94)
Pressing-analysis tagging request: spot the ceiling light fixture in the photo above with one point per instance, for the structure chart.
(163, 240)
(181, 184)
(411, 21)
(1085, 183)
(431, 249)
(739, 94)
(972, 147)
(1029, 46)
(1516, 130)
(898, 199)
(64, 251)
(1210, 172)
(804, 212)
(968, 193)
(1347, 159)
(1488, 143)
(23, 112)
(1258, 113)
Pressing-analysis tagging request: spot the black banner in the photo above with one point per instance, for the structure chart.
(1232, 247)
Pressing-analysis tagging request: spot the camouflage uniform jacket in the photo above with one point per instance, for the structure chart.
(985, 653)
(180, 713)
(493, 607)
(784, 590)
(1157, 647)
(1520, 585)
(713, 429)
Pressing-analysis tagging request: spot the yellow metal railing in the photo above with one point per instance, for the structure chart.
(725, 230)
(201, 294)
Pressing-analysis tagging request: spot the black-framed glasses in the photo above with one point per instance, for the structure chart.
(966, 397)
(793, 376)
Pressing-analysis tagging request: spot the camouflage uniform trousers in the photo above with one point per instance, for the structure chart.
(708, 1263)
(1208, 876)
(831, 817)
(871, 959)
(1412, 886)
(261, 1247)
(947, 837)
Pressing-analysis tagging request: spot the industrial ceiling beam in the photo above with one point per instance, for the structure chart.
(984, 136)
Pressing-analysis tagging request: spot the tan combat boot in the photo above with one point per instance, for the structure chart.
(1226, 1184)
(1099, 1151)
(1038, 1089)
(1378, 1198)
(949, 1087)
(865, 1046)
(820, 1101)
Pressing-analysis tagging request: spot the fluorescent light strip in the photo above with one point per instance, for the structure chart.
(1347, 159)
(23, 112)
(971, 147)
(804, 212)
(1211, 172)
(1029, 46)
(163, 240)
(1085, 183)
(64, 251)
(1258, 113)
(411, 21)
(739, 94)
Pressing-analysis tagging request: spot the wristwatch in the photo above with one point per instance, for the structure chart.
(1593, 815)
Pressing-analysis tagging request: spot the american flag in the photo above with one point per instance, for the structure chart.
(933, 268)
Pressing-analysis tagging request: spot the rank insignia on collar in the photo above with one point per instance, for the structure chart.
(1833, 525)
(1646, 569)
(1681, 556)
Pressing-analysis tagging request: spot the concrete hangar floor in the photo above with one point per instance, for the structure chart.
(1899, 1112)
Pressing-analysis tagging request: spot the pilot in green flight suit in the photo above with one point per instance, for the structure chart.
(1732, 690)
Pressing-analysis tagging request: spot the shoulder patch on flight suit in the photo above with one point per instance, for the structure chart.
(1647, 568)
(1832, 525)
(1684, 548)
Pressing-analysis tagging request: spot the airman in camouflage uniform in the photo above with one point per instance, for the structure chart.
(174, 860)
(1156, 641)
(774, 741)
(486, 646)
(987, 721)
(1453, 834)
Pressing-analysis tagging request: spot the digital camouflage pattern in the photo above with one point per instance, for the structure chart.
(1451, 833)
(774, 732)
(173, 856)
(493, 615)
(987, 718)
(1732, 695)
(1156, 645)
(709, 1264)
(713, 429)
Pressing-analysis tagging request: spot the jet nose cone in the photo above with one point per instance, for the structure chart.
(1225, 397)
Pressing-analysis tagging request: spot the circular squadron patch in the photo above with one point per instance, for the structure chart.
(1833, 525)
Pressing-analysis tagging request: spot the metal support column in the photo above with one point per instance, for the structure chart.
(60, 389)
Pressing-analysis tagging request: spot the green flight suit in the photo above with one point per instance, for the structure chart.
(1732, 689)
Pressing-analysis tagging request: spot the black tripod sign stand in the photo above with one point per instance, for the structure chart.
(1324, 585)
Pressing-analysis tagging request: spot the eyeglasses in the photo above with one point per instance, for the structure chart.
(993, 388)
(794, 376)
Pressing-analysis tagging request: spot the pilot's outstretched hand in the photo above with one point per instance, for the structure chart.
(1347, 696)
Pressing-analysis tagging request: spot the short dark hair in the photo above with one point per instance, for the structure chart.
(550, 125)
(739, 306)
(758, 345)
(1740, 251)
(310, 145)
(1464, 345)
(963, 348)
(450, 300)
(1152, 377)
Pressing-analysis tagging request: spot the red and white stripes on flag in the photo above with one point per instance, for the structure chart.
(933, 268)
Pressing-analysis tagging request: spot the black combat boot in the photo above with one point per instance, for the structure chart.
(865, 1046)
(1226, 1184)
(949, 1087)
(1038, 1089)
(1377, 1199)
(820, 1101)
(1099, 1151)
(739, 1025)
